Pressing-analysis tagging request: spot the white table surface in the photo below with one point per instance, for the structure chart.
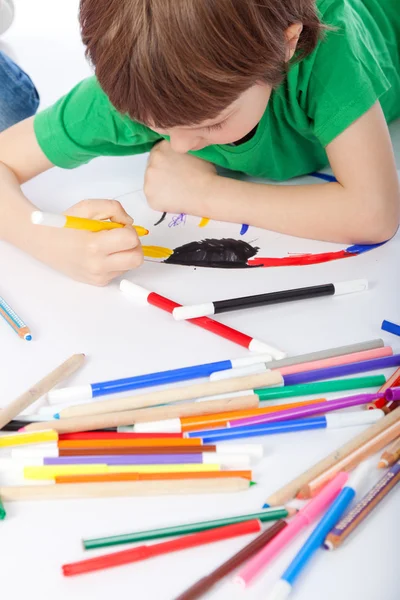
(68, 317)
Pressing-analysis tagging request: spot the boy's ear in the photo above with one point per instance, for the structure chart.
(292, 35)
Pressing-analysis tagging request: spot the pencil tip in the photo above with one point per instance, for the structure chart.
(266, 505)
(253, 483)
(22, 429)
(56, 416)
(382, 464)
(28, 338)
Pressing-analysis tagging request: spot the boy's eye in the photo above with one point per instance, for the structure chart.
(216, 127)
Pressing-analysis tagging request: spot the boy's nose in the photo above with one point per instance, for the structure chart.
(183, 143)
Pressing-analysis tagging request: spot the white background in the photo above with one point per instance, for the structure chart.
(68, 317)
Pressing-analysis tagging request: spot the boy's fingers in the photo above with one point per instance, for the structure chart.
(115, 240)
(100, 209)
(124, 261)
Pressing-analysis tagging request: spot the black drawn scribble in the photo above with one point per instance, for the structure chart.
(161, 219)
(225, 253)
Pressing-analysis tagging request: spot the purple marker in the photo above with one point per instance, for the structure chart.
(308, 411)
(207, 458)
(393, 394)
(341, 370)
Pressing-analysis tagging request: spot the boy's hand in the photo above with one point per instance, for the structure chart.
(178, 183)
(94, 258)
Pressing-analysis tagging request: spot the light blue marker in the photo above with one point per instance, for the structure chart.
(283, 587)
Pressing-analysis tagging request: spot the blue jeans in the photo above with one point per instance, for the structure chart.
(18, 96)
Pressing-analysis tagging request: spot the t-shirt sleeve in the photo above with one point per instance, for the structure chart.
(342, 79)
(83, 125)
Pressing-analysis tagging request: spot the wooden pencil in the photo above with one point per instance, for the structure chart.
(289, 491)
(129, 417)
(177, 394)
(356, 515)
(351, 460)
(390, 456)
(122, 488)
(104, 477)
(41, 388)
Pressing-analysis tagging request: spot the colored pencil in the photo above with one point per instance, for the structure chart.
(3, 513)
(103, 388)
(393, 381)
(320, 387)
(142, 297)
(60, 221)
(177, 394)
(205, 584)
(380, 432)
(209, 458)
(391, 327)
(303, 518)
(342, 370)
(284, 586)
(186, 424)
(20, 439)
(379, 441)
(39, 389)
(391, 455)
(109, 477)
(15, 322)
(305, 411)
(323, 422)
(140, 553)
(129, 417)
(129, 443)
(15, 425)
(116, 489)
(352, 520)
(264, 516)
(50, 472)
(256, 300)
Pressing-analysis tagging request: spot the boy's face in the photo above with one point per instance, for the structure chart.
(231, 125)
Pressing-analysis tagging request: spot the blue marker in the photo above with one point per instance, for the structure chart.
(391, 327)
(103, 388)
(349, 419)
(284, 586)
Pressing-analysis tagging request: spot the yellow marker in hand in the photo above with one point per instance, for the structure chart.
(54, 220)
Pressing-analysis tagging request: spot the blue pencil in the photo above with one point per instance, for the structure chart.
(103, 388)
(364, 417)
(341, 370)
(283, 587)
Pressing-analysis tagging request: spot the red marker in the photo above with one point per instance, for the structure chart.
(142, 297)
(139, 553)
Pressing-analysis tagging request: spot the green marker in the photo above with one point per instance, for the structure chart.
(270, 514)
(320, 387)
(2, 511)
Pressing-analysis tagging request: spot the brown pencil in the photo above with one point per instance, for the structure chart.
(177, 394)
(159, 413)
(104, 477)
(356, 515)
(289, 491)
(115, 489)
(350, 461)
(391, 455)
(41, 388)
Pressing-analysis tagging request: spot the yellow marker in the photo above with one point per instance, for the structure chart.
(50, 472)
(20, 439)
(53, 220)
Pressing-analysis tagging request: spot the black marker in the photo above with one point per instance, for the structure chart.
(213, 308)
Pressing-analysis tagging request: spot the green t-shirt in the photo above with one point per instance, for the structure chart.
(356, 64)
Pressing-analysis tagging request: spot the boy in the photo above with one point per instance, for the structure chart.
(272, 88)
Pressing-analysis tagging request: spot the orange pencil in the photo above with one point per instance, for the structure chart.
(221, 419)
(151, 476)
(64, 444)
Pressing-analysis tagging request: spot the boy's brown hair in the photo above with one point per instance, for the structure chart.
(175, 63)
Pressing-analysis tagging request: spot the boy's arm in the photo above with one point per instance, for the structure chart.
(92, 258)
(363, 207)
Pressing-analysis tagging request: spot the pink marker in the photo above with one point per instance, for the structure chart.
(303, 518)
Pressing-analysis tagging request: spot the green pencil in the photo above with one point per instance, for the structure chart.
(320, 387)
(2, 511)
(270, 514)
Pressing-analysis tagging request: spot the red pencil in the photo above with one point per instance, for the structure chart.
(114, 435)
(141, 295)
(139, 553)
